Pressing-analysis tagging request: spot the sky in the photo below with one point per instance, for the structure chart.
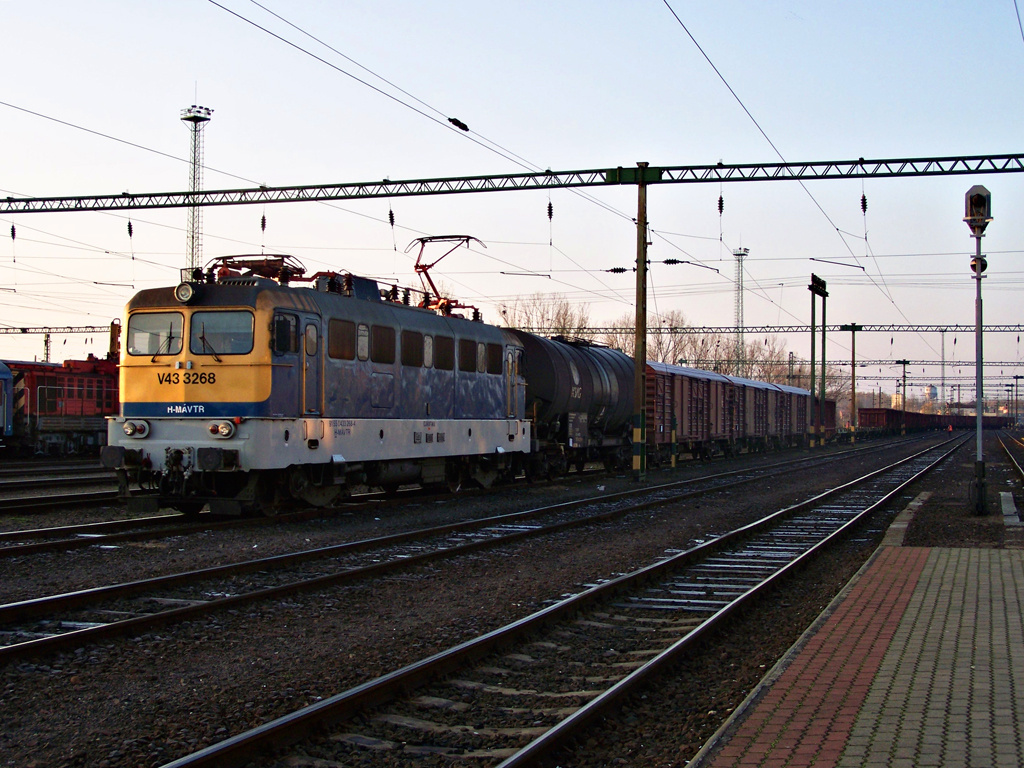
(94, 91)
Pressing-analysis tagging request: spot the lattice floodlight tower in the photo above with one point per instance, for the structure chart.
(741, 350)
(196, 117)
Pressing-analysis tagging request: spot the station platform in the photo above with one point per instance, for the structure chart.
(918, 662)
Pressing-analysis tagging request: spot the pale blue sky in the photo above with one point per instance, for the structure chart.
(564, 85)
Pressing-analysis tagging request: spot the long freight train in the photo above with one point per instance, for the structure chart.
(240, 390)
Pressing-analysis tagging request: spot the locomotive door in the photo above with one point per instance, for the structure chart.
(515, 383)
(311, 367)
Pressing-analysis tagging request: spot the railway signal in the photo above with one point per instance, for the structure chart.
(977, 215)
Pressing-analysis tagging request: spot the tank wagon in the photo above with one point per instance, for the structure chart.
(579, 397)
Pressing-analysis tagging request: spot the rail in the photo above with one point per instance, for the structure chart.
(773, 548)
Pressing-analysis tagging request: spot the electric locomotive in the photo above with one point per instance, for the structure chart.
(241, 389)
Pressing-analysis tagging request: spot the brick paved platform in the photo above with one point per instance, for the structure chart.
(919, 662)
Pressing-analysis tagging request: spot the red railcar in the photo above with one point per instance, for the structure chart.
(61, 408)
(716, 414)
(891, 420)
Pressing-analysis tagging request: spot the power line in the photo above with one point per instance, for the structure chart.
(757, 125)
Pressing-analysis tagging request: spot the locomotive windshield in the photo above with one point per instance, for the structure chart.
(220, 333)
(155, 333)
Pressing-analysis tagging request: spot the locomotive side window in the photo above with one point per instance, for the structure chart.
(311, 340)
(412, 349)
(428, 351)
(382, 344)
(341, 340)
(155, 333)
(220, 333)
(444, 353)
(467, 356)
(286, 333)
(494, 354)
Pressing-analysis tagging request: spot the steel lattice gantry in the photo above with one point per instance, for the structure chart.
(640, 176)
(756, 330)
(720, 172)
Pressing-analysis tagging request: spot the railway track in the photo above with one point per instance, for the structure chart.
(18, 543)
(514, 696)
(1014, 449)
(28, 487)
(23, 468)
(60, 622)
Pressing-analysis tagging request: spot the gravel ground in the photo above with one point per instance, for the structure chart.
(144, 701)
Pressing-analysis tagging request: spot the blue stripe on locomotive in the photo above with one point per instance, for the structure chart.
(201, 410)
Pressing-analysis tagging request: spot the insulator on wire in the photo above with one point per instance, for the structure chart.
(551, 210)
(13, 232)
(391, 217)
(721, 205)
(863, 203)
(263, 223)
(130, 232)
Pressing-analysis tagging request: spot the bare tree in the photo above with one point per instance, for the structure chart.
(663, 346)
(623, 337)
(548, 311)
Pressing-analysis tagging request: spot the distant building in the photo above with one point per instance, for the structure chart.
(932, 392)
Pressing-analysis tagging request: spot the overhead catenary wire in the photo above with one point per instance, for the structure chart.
(775, 149)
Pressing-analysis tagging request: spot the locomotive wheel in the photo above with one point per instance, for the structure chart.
(190, 509)
(300, 487)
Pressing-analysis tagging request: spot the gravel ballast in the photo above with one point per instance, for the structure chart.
(149, 699)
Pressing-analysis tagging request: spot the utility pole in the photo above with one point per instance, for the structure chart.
(903, 400)
(817, 288)
(640, 357)
(1016, 399)
(942, 390)
(853, 328)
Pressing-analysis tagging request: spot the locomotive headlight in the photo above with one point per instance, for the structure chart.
(222, 429)
(135, 428)
(185, 293)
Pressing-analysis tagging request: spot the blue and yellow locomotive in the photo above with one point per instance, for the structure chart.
(241, 390)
